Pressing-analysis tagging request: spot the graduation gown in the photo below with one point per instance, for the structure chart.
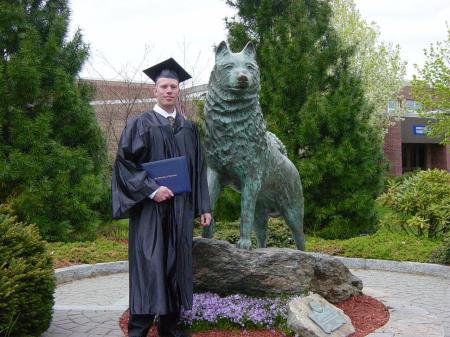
(160, 234)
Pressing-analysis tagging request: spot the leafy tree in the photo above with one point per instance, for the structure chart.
(316, 105)
(432, 88)
(378, 64)
(51, 149)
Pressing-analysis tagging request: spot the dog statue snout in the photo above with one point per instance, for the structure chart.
(242, 78)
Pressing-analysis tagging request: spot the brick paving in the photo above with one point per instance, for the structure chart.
(421, 305)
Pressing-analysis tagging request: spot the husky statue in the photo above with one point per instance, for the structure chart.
(242, 154)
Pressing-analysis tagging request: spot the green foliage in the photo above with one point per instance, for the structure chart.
(442, 253)
(432, 88)
(421, 204)
(315, 104)
(99, 250)
(378, 63)
(228, 206)
(52, 152)
(384, 245)
(26, 279)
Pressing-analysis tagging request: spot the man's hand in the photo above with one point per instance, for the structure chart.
(205, 219)
(163, 194)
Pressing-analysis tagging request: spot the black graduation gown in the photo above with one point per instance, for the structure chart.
(160, 234)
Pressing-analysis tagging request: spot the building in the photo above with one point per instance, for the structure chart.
(115, 102)
(406, 145)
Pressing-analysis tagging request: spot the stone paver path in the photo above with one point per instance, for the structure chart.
(416, 294)
(91, 307)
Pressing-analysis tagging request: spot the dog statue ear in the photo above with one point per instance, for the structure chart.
(222, 50)
(249, 49)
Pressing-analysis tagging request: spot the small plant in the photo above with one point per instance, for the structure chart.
(26, 279)
(421, 204)
(211, 310)
(442, 253)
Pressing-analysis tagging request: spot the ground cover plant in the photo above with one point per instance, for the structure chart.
(211, 310)
(383, 244)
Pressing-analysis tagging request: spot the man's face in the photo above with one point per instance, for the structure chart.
(166, 92)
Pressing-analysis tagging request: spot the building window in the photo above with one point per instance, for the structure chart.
(392, 106)
(412, 106)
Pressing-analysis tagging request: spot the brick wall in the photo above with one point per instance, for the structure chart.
(440, 156)
(393, 149)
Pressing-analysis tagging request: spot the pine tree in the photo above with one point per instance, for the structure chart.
(51, 148)
(315, 104)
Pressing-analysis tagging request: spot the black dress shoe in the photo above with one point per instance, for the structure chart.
(172, 333)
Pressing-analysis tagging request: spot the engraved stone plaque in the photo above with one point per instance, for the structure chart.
(327, 318)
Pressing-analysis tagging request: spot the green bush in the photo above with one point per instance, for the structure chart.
(421, 204)
(278, 233)
(442, 253)
(228, 206)
(27, 282)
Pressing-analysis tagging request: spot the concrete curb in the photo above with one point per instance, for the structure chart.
(79, 272)
(418, 268)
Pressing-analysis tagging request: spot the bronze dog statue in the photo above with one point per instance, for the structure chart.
(242, 154)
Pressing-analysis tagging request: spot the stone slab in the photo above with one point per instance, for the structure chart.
(299, 312)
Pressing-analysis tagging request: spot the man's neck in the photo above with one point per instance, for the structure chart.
(165, 111)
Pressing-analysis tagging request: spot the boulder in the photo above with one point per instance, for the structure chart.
(222, 268)
(300, 321)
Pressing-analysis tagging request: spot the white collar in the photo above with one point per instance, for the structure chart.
(163, 112)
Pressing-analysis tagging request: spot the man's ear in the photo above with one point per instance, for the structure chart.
(222, 50)
(249, 49)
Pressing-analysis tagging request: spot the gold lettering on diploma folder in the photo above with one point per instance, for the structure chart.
(165, 177)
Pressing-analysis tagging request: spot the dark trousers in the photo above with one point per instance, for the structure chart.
(139, 325)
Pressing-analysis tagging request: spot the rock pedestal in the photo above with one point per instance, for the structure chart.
(224, 269)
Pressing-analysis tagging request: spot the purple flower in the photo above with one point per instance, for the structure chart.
(239, 309)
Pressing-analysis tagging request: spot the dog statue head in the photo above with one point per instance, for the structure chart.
(236, 72)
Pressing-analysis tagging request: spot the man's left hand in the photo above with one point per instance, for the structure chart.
(205, 219)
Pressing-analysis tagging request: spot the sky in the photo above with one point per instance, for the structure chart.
(127, 36)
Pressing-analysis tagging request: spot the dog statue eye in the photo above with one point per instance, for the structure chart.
(251, 66)
(228, 66)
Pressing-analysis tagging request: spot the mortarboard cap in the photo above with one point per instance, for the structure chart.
(169, 69)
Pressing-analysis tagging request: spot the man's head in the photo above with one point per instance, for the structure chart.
(167, 75)
(166, 92)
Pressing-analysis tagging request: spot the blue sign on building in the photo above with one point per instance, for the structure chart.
(419, 130)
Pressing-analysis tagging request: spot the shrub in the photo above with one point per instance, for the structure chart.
(228, 206)
(421, 203)
(52, 151)
(26, 279)
(278, 233)
(442, 253)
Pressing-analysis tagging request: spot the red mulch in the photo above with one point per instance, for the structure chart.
(367, 314)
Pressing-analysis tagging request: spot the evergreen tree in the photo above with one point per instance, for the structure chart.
(315, 104)
(51, 148)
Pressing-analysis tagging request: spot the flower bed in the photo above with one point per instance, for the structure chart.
(244, 316)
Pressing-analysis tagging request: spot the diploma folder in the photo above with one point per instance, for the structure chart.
(172, 173)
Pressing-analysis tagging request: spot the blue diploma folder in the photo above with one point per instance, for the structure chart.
(172, 173)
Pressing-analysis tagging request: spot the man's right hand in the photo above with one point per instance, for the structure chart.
(163, 194)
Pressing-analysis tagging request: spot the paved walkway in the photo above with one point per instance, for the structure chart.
(91, 307)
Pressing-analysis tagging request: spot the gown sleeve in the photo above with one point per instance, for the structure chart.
(130, 184)
(201, 198)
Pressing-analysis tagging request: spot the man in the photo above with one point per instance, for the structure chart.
(160, 230)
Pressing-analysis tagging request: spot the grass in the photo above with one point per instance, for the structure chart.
(383, 245)
(100, 250)
(111, 244)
